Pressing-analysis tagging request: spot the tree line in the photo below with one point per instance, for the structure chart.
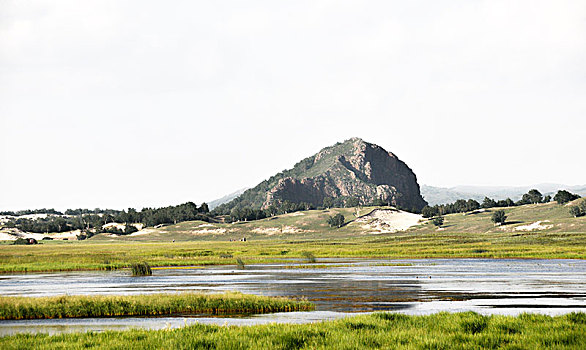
(92, 223)
(241, 212)
(464, 206)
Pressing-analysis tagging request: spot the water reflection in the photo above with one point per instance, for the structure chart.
(416, 286)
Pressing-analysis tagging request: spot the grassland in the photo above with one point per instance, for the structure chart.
(295, 235)
(375, 331)
(66, 306)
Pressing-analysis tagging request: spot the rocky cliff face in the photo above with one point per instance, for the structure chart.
(362, 170)
(354, 168)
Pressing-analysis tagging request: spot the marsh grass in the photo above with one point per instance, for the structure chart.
(98, 255)
(141, 269)
(17, 308)
(309, 257)
(375, 331)
(240, 263)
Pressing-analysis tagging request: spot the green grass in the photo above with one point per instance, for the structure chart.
(554, 218)
(17, 308)
(96, 255)
(298, 234)
(376, 331)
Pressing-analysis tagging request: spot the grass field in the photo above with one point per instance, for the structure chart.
(67, 306)
(62, 256)
(376, 331)
(294, 235)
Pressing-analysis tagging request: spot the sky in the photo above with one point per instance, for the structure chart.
(118, 104)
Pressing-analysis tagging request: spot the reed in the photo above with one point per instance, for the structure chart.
(141, 269)
(240, 263)
(17, 308)
(309, 257)
(376, 331)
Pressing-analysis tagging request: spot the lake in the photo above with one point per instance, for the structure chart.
(338, 287)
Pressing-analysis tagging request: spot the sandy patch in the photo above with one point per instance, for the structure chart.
(388, 221)
(297, 213)
(534, 226)
(207, 231)
(277, 230)
(206, 225)
(5, 236)
(13, 234)
(267, 231)
(145, 231)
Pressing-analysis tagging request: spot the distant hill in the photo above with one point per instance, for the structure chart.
(440, 195)
(216, 202)
(353, 168)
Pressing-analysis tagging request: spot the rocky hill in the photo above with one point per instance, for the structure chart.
(354, 168)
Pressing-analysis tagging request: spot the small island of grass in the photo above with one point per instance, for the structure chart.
(69, 306)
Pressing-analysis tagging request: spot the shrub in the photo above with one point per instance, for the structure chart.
(141, 269)
(499, 217)
(240, 263)
(21, 241)
(336, 220)
(309, 256)
(438, 221)
(576, 211)
(564, 196)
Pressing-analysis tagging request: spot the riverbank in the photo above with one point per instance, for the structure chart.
(100, 255)
(380, 330)
(74, 306)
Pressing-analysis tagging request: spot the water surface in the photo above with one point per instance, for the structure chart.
(338, 287)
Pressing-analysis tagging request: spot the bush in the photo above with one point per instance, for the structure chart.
(240, 263)
(141, 269)
(499, 217)
(336, 220)
(563, 197)
(438, 221)
(576, 211)
(308, 256)
(21, 241)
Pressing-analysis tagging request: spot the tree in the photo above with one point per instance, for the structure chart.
(352, 202)
(488, 203)
(438, 221)
(429, 212)
(534, 196)
(460, 206)
(336, 220)
(328, 202)
(204, 208)
(471, 205)
(377, 202)
(499, 217)
(563, 197)
(576, 211)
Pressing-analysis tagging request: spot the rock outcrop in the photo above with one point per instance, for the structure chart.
(354, 168)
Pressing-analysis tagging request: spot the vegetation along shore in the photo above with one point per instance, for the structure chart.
(375, 331)
(67, 306)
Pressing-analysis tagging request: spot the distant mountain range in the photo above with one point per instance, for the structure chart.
(353, 169)
(440, 195)
(216, 202)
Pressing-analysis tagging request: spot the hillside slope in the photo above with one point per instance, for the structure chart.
(354, 168)
(523, 221)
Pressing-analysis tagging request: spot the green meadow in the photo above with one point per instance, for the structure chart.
(462, 236)
(375, 331)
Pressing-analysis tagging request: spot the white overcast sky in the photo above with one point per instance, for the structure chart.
(149, 103)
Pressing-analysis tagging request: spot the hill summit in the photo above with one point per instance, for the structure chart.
(351, 170)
